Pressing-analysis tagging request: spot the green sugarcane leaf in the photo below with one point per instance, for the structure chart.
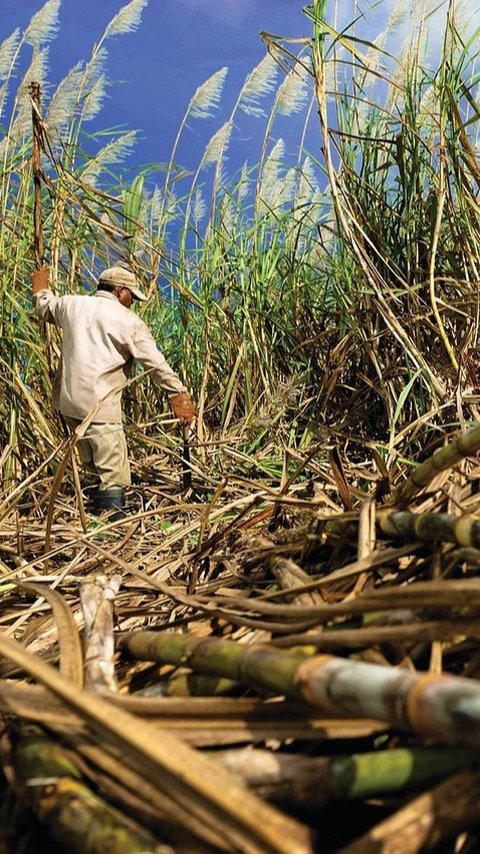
(401, 400)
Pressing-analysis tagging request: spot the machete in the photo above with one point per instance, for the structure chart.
(186, 468)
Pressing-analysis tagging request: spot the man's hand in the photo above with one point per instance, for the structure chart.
(40, 279)
(183, 406)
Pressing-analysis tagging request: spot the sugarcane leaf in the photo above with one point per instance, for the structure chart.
(71, 655)
(400, 402)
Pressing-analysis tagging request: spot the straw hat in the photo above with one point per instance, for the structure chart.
(120, 277)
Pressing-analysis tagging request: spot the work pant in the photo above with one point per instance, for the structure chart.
(103, 452)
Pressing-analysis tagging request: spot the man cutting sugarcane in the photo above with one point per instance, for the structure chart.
(101, 338)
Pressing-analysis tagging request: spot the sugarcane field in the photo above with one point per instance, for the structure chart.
(240, 441)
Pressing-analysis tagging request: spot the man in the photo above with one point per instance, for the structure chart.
(101, 338)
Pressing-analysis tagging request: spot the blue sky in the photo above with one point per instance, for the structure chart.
(155, 70)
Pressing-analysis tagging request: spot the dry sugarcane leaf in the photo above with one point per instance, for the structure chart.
(197, 720)
(365, 541)
(340, 479)
(106, 767)
(414, 632)
(434, 817)
(449, 594)
(71, 655)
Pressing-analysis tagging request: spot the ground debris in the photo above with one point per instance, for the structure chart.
(303, 671)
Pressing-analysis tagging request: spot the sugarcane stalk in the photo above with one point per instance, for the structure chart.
(235, 661)
(431, 527)
(444, 707)
(97, 597)
(76, 817)
(37, 145)
(189, 685)
(465, 445)
(38, 139)
(289, 575)
(311, 782)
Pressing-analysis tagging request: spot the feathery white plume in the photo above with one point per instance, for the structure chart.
(367, 79)
(374, 53)
(293, 90)
(3, 95)
(407, 59)
(243, 186)
(316, 206)
(222, 176)
(155, 205)
(318, 199)
(127, 19)
(64, 101)
(94, 69)
(227, 215)
(462, 17)
(397, 15)
(271, 169)
(326, 239)
(37, 71)
(170, 211)
(329, 73)
(43, 25)
(8, 50)
(143, 214)
(258, 83)
(284, 191)
(415, 42)
(199, 206)
(207, 96)
(94, 98)
(276, 155)
(228, 208)
(111, 154)
(430, 106)
(305, 210)
(217, 144)
(290, 184)
(275, 191)
(95, 65)
(307, 184)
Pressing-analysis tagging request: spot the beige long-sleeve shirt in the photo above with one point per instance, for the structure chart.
(101, 338)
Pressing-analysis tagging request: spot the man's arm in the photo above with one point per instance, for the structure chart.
(40, 279)
(146, 351)
(44, 300)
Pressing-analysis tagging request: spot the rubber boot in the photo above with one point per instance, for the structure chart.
(112, 499)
